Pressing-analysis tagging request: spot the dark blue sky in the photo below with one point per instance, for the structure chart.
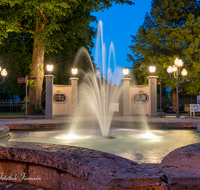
(119, 23)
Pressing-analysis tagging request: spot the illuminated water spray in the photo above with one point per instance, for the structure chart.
(98, 91)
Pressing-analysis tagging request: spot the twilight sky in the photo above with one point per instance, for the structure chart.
(119, 23)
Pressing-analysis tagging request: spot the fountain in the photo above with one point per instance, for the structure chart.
(98, 93)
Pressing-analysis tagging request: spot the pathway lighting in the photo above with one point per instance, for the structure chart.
(176, 69)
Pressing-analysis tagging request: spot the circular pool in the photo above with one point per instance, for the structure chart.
(137, 145)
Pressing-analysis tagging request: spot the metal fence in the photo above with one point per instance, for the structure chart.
(170, 106)
(18, 106)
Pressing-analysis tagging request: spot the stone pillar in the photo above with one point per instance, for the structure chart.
(74, 91)
(152, 96)
(49, 97)
(126, 103)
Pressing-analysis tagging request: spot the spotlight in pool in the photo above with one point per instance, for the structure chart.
(71, 137)
(149, 135)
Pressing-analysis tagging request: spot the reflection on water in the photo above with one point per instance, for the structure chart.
(129, 143)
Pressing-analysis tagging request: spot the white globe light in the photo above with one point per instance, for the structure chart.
(178, 62)
(74, 71)
(174, 68)
(152, 69)
(4, 73)
(184, 72)
(125, 71)
(49, 68)
(169, 69)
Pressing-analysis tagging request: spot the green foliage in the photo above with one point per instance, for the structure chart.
(37, 108)
(23, 108)
(15, 57)
(64, 27)
(31, 83)
(171, 30)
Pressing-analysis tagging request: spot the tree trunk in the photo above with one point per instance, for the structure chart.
(37, 67)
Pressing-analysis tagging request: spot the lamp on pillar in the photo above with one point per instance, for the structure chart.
(176, 69)
(74, 91)
(74, 71)
(152, 91)
(126, 72)
(49, 93)
(125, 86)
(152, 69)
(49, 68)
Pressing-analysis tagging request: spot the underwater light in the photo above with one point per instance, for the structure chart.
(149, 135)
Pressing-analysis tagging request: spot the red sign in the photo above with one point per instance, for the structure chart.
(21, 79)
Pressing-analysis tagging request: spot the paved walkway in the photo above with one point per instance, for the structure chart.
(125, 119)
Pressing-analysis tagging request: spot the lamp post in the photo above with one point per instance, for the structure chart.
(176, 69)
(3, 74)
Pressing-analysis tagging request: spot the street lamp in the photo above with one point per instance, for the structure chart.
(125, 72)
(74, 71)
(176, 69)
(49, 68)
(3, 74)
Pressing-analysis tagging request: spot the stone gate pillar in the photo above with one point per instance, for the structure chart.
(74, 85)
(49, 97)
(152, 96)
(125, 93)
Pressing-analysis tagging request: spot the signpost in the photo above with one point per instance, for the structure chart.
(25, 80)
(21, 79)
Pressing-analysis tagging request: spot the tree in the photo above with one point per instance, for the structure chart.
(171, 30)
(15, 56)
(51, 23)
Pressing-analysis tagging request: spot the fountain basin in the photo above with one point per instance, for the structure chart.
(67, 167)
(62, 166)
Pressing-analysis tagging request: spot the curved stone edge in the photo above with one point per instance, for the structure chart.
(4, 131)
(182, 167)
(99, 169)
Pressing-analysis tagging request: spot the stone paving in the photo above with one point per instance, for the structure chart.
(168, 121)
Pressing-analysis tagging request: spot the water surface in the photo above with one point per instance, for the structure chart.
(128, 143)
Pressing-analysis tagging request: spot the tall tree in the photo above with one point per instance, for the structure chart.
(15, 56)
(49, 22)
(170, 30)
